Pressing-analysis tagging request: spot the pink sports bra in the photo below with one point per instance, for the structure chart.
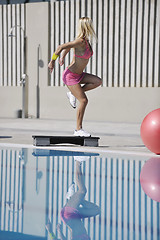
(87, 54)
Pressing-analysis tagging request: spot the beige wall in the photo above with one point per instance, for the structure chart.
(105, 104)
(159, 15)
(37, 34)
(10, 101)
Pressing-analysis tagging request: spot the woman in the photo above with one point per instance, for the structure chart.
(73, 75)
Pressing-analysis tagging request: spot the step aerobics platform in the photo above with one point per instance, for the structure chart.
(48, 140)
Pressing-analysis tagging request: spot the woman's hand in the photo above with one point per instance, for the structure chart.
(61, 61)
(51, 65)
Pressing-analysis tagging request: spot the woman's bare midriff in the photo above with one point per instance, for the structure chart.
(78, 65)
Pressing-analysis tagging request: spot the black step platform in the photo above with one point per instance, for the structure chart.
(48, 140)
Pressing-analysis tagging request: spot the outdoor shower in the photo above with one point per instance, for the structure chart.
(23, 78)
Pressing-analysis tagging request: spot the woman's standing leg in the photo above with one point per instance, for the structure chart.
(88, 209)
(78, 196)
(90, 82)
(78, 92)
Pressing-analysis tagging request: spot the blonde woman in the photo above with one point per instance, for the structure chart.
(73, 75)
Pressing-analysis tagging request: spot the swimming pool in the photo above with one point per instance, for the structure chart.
(34, 184)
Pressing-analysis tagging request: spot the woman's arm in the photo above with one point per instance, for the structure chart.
(66, 46)
(64, 53)
(77, 42)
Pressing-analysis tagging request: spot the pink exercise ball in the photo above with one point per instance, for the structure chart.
(150, 131)
(150, 178)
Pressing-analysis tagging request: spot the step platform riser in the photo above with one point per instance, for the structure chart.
(49, 140)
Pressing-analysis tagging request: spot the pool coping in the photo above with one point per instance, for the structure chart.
(80, 149)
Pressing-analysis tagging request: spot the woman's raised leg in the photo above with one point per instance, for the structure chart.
(90, 82)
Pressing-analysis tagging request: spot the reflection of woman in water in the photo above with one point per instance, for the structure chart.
(77, 209)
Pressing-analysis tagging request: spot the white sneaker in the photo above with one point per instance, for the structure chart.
(72, 99)
(81, 133)
(71, 191)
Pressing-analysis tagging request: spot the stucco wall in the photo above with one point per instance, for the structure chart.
(105, 104)
(10, 101)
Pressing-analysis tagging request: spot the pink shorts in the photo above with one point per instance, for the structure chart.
(70, 78)
(68, 213)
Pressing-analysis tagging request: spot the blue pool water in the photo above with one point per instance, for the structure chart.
(34, 184)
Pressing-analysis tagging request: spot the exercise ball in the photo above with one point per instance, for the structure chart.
(150, 178)
(150, 131)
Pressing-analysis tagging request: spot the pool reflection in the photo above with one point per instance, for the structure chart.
(47, 194)
(76, 208)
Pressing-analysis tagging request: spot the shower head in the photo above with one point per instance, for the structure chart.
(11, 35)
(11, 31)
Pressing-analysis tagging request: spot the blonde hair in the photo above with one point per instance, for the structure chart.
(85, 29)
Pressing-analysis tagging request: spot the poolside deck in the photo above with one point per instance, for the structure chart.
(122, 137)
